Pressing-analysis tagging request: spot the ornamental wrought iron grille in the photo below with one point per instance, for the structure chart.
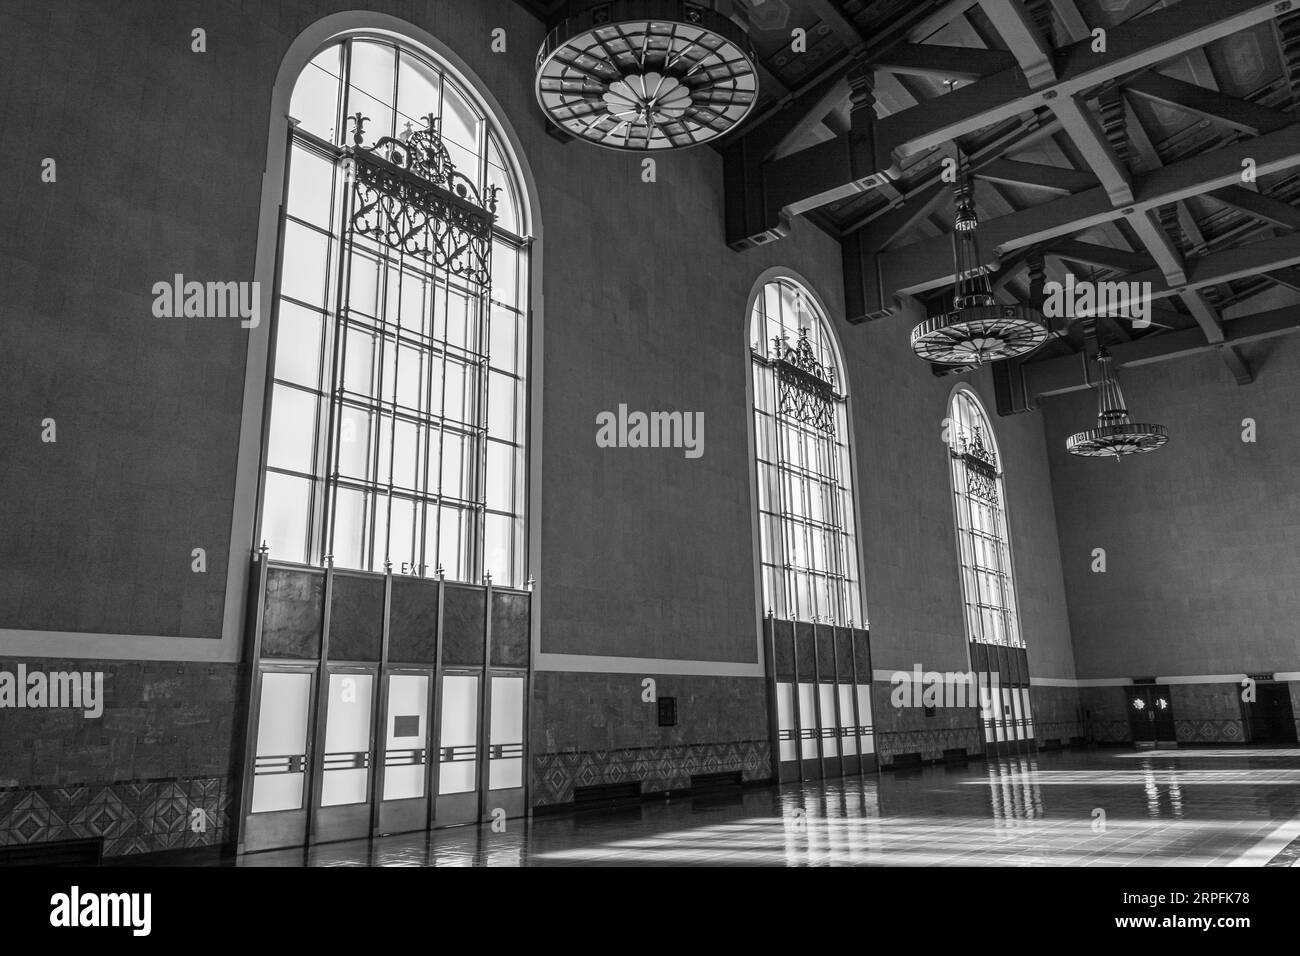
(807, 386)
(409, 196)
(808, 545)
(408, 206)
(981, 465)
(983, 548)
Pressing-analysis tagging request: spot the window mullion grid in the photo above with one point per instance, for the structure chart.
(1010, 630)
(836, 565)
(966, 557)
(442, 413)
(805, 517)
(784, 521)
(347, 244)
(388, 392)
(479, 549)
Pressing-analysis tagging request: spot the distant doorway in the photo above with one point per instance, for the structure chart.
(1151, 715)
(1270, 718)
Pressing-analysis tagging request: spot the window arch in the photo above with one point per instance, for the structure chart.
(983, 545)
(806, 517)
(398, 406)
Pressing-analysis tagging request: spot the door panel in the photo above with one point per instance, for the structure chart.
(343, 808)
(405, 805)
(506, 746)
(1151, 715)
(277, 808)
(457, 800)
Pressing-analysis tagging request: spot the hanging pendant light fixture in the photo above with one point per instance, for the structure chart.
(1115, 435)
(976, 329)
(647, 74)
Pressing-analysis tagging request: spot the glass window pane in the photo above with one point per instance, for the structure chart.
(499, 473)
(460, 121)
(507, 204)
(457, 318)
(501, 406)
(496, 548)
(314, 103)
(298, 345)
(466, 161)
(284, 516)
(349, 526)
(303, 269)
(504, 265)
(311, 186)
(292, 438)
(413, 313)
(502, 345)
(401, 533)
(455, 477)
(363, 284)
(454, 391)
(418, 89)
(451, 542)
(354, 443)
(372, 69)
(410, 366)
(406, 450)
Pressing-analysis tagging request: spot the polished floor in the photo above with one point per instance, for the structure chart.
(1201, 807)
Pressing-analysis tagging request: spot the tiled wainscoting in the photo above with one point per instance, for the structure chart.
(163, 747)
(1056, 714)
(903, 730)
(1208, 713)
(1203, 713)
(130, 816)
(593, 729)
(658, 768)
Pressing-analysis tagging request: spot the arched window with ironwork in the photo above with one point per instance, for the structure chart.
(815, 636)
(979, 497)
(390, 622)
(987, 580)
(805, 489)
(398, 408)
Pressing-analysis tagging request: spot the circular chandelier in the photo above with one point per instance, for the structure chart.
(1115, 435)
(976, 329)
(646, 74)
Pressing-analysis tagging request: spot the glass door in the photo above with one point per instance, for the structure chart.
(458, 752)
(277, 783)
(406, 769)
(347, 756)
(506, 729)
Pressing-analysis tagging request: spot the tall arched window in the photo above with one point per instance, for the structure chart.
(398, 410)
(803, 469)
(988, 588)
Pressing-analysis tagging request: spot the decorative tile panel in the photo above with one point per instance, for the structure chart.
(131, 816)
(658, 768)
